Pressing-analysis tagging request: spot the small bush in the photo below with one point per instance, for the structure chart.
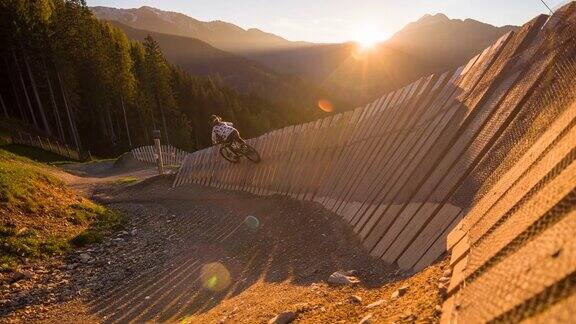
(87, 237)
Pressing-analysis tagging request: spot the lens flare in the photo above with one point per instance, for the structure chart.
(252, 222)
(214, 276)
(325, 105)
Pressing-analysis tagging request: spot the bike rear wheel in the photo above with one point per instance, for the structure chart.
(229, 155)
(251, 154)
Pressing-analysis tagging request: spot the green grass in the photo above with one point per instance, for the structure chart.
(40, 216)
(35, 154)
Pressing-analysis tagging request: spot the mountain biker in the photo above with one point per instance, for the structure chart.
(224, 132)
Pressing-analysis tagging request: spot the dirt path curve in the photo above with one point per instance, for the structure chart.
(205, 256)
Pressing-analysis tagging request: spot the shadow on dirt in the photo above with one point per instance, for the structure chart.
(239, 237)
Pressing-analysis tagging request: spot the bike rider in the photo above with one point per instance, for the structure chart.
(224, 132)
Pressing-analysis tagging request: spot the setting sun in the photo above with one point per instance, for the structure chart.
(368, 37)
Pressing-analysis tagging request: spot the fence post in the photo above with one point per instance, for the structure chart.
(50, 145)
(156, 136)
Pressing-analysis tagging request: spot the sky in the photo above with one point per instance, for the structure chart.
(332, 21)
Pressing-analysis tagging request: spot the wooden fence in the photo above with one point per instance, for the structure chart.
(478, 160)
(170, 154)
(47, 145)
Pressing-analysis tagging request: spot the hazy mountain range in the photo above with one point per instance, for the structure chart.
(434, 43)
(220, 34)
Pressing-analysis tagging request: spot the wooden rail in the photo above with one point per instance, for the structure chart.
(47, 145)
(170, 154)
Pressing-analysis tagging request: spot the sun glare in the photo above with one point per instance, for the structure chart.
(366, 39)
(366, 44)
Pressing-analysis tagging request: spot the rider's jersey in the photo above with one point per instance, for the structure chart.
(221, 131)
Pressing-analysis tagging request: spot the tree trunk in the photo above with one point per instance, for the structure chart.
(73, 130)
(16, 98)
(4, 107)
(20, 110)
(19, 71)
(142, 124)
(163, 121)
(110, 125)
(47, 127)
(126, 122)
(54, 105)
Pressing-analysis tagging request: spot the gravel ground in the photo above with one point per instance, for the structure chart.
(202, 255)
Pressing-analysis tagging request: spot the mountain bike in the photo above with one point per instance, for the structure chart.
(233, 151)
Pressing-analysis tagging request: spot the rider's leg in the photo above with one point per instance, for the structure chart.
(235, 136)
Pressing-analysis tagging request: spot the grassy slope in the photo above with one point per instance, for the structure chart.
(40, 216)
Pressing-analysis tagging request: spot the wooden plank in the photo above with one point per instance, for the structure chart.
(387, 121)
(274, 165)
(298, 151)
(312, 159)
(560, 312)
(353, 132)
(542, 168)
(374, 229)
(336, 141)
(265, 150)
(554, 132)
(340, 169)
(523, 274)
(384, 157)
(457, 234)
(290, 153)
(270, 160)
(385, 147)
(451, 171)
(290, 136)
(380, 119)
(437, 249)
(448, 308)
(422, 241)
(392, 172)
(524, 216)
(358, 134)
(324, 192)
(458, 275)
(420, 175)
(460, 250)
(308, 141)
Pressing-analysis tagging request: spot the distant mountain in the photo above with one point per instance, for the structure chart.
(200, 58)
(431, 44)
(223, 35)
(434, 43)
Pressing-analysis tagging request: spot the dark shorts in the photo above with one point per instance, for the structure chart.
(234, 137)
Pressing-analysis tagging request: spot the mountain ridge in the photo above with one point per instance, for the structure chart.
(218, 33)
(433, 43)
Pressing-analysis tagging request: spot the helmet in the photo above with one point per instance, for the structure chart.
(215, 119)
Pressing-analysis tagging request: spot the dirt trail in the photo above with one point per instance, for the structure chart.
(205, 256)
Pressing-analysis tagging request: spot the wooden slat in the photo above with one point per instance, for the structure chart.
(386, 121)
(523, 274)
(325, 190)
